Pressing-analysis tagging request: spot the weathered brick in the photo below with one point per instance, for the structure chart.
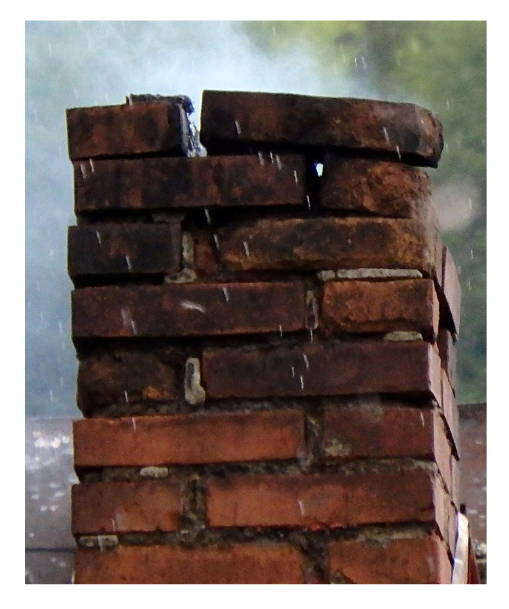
(185, 310)
(410, 560)
(188, 439)
(324, 243)
(450, 294)
(447, 350)
(336, 368)
(380, 306)
(352, 432)
(124, 249)
(121, 376)
(235, 564)
(405, 131)
(382, 188)
(322, 500)
(127, 129)
(450, 412)
(126, 507)
(162, 183)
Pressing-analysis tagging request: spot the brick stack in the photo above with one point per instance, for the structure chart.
(266, 349)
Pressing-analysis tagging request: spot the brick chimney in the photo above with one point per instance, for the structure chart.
(266, 343)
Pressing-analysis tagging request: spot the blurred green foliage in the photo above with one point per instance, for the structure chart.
(441, 65)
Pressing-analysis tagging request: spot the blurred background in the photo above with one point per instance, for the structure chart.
(440, 65)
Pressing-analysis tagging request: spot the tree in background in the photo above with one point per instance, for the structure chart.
(441, 65)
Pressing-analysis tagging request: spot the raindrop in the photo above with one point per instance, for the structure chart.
(43, 508)
(128, 262)
(301, 378)
(280, 330)
(386, 135)
(310, 335)
(91, 163)
(447, 104)
(216, 241)
(51, 396)
(319, 169)
(83, 170)
(226, 295)
(130, 100)
(271, 157)
(306, 361)
(278, 162)
(53, 508)
(260, 159)
(308, 200)
(133, 327)
(192, 306)
(97, 234)
(471, 253)
(293, 370)
(207, 215)
(133, 421)
(295, 176)
(126, 397)
(398, 152)
(469, 284)
(237, 128)
(246, 248)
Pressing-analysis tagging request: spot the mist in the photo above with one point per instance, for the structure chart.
(71, 64)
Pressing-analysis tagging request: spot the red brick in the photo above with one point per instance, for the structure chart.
(187, 310)
(236, 564)
(450, 293)
(450, 412)
(401, 130)
(322, 369)
(382, 188)
(325, 243)
(352, 432)
(125, 507)
(121, 377)
(322, 500)
(380, 306)
(126, 129)
(412, 560)
(447, 350)
(165, 183)
(124, 249)
(188, 439)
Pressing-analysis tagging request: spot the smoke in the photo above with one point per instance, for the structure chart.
(70, 64)
(73, 63)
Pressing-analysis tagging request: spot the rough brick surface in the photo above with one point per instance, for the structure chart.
(447, 350)
(127, 377)
(126, 507)
(124, 249)
(381, 188)
(451, 292)
(401, 130)
(413, 560)
(352, 432)
(236, 564)
(186, 310)
(140, 128)
(322, 500)
(187, 439)
(324, 243)
(338, 368)
(380, 306)
(450, 411)
(163, 183)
